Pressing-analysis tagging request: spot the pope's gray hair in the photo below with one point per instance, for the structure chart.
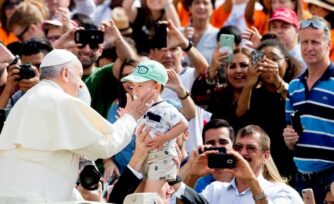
(51, 72)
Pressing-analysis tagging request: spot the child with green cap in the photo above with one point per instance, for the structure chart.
(166, 123)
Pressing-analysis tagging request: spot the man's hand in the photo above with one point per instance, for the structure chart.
(242, 169)
(12, 79)
(174, 37)
(111, 32)
(290, 137)
(26, 84)
(66, 41)
(110, 169)
(137, 107)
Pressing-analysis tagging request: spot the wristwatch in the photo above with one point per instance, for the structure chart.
(190, 45)
(177, 180)
(260, 196)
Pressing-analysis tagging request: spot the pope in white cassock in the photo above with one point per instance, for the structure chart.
(48, 129)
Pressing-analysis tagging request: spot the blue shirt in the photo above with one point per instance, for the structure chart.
(203, 182)
(315, 148)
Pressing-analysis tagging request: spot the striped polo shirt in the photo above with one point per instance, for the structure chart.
(314, 150)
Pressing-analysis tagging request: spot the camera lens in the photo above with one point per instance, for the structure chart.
(90, 177)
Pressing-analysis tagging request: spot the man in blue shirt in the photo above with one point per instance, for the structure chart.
(312, 95)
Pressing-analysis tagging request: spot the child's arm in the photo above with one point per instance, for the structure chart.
(173, 133)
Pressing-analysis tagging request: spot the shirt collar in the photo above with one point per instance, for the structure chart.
(325, 76)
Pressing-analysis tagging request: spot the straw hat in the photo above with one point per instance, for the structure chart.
(121, 20)
(327, 4)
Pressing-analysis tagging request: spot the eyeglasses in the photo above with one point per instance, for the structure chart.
(249, 148)
(93, 47)
(312, 23)
(20, 36)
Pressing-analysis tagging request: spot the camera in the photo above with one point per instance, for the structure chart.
(89, 36)
(220, 160)
(89, 177)
(26, 71)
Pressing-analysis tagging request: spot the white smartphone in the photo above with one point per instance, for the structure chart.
(308, 196)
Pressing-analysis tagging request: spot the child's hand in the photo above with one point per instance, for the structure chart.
(157, 142)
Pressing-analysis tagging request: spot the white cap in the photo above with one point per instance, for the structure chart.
(58, 57)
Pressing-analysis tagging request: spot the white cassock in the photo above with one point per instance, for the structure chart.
(44, 135)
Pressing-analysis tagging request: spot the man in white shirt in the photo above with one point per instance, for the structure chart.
(249, 185)
(48, 130)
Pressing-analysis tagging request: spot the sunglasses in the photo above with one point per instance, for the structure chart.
(20, 36)
(53, 38)
(91, 46)
(249, 148)
(316, 24)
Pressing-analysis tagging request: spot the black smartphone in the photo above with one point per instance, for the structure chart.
(256, 56)
(219, 149)
(296, 122)
(160, 35)
(221, 161)
(88, 37)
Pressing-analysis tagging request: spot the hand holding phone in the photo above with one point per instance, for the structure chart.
(91, 37)
(296, 122)
(220, 160)
(227, 45)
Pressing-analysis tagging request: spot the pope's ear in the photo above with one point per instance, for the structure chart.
(64, 74)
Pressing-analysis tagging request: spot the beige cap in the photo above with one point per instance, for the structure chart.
(121, 20)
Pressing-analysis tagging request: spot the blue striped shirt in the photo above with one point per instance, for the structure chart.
(314, 150)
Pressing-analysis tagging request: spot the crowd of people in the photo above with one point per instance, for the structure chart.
(193, 101)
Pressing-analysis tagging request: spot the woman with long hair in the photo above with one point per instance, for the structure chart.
(262, 100)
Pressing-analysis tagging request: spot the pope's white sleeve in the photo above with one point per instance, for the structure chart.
(110, 144)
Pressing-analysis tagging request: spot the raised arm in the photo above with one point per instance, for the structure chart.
(130, 9)
(243, 104)
(188, 106)
(123, 49)
(171, 13)
(176, 38)
(249, 11)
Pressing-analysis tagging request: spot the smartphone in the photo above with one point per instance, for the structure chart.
(227, 45)
(308, 196)
(256, 56)
(88, 37)
(296, 122)
(221, 161)
(219, 149)
(160, 35)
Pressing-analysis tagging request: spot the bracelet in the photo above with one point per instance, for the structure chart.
(184, 97)
(190, 45)
(260, 196)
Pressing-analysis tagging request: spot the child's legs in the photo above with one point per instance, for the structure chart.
(161, 169)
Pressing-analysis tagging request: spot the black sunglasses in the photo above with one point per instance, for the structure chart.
(91, 46)
(20, 36)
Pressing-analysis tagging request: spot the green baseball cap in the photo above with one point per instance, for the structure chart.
(148, 70)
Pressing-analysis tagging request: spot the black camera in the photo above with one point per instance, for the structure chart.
(220, 160)
(89, 177)
(26, 71)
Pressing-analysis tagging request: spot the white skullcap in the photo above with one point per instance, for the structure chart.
(58, 57)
